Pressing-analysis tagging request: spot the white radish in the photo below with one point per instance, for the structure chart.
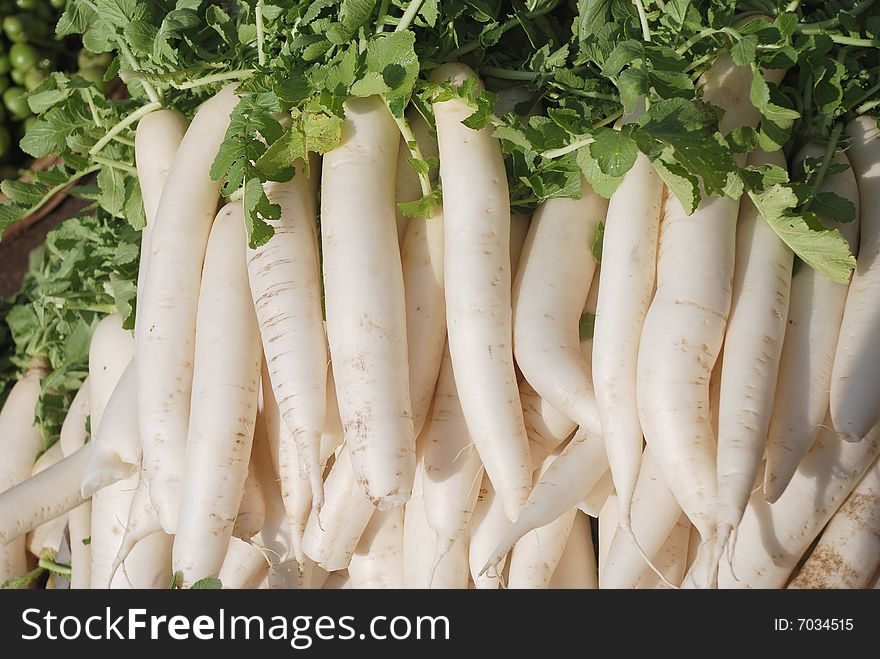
(772, 538)
(422, 262)
(577, 568)
(275, 538)
(671, 560)
(452, 471)
(848, 553)
(74, 433)
(148, 565)
(331, 539)
(47, 496)
(286, 286)
(681, 340)
(655, 513)
(48, 535)
(166, 319)
(546, 426)
(478, 299)
(421, 256)
(752, 351)
(142, 521)
(244, 566)
(365, 302)
(855, 396)
(551, 286)
(567, 480)
(535, 556)
(291, 575)
(805, 370)
(338, 581)
(115, 451)
(109, 355)
(596, 497)
(629, 256)
(225, 391)
(684, 328)
(156, 141)
(377, 561)
(608, 527)
(109, 508)
(420, 569)
(252, 512)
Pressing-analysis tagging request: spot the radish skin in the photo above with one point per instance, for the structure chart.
(166, 319)
(629, 255)
(681, 340)
(156, 140)
(752, 351)
(546, 426)
(608, 526)
(549, 293)
(109, 355)
(377, 561)
(421, 256)
(244, 566)
(855, 401)
(331, 540)
(848, 553)
(478, 298)
(577, 568)
(452, 471)
(655, 514)
(566, 481)
(535, 556)
(275, 539)
(225, 391)
(142, 521)
(252, 512)
(489, 525)
(285, 282)
(671, 560)
(684, 328)
(115, 452)
(365, 302)
(596, 497)
(772, 538)
(74, 434)
(48, 535)
(50, 494)
(420, 569)
(805, 371)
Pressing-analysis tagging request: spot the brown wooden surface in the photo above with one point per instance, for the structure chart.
(14, 253)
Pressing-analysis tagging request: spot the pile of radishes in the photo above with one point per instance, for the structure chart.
(393, 402)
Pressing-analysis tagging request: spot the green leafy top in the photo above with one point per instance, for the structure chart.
(86, 269)
(584, 64)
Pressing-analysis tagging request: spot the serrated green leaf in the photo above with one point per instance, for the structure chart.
(680, 182)
(26, 194)
(308, 133)
(825, 250)
(614, 151)
(603, 184)
(832, 206)
(745, 50)
(258, 212)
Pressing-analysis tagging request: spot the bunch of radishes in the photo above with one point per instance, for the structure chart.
(443, 408)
